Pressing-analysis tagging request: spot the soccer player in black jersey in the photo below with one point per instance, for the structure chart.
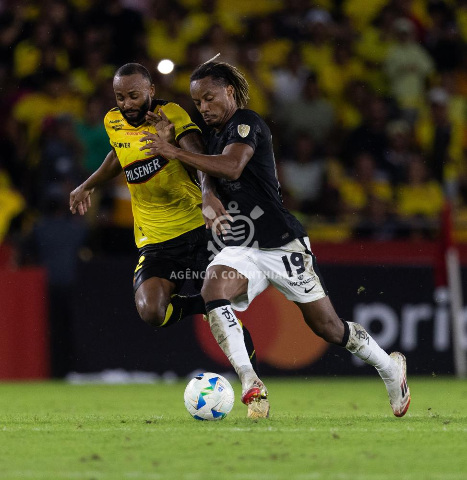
(266, 244)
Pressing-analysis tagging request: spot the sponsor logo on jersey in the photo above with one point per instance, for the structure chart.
(243, 130)
(134, 133)
(302, 282)
(117, 127)
(116, 121)
(121, 144)
(143, 170)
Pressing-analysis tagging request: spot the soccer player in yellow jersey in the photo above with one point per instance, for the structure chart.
(168, 223)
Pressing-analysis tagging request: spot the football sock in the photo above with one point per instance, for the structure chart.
(250, 348)
(228, 333)
(182, 306)
(361, 344)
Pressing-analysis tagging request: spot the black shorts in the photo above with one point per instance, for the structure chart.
(181, 258)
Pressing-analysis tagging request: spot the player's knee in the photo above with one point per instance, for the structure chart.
(153, 315)
(208, 293)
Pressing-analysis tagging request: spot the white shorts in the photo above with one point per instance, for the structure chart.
(290, 268)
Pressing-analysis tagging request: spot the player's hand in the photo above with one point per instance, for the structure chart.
(165, 129)
(155, 145)
(215, 214)
(80, 200)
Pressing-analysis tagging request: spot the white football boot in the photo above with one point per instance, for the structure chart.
(398, 391)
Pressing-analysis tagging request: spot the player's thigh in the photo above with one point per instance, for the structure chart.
(156, 278)
(223, 282)
(321, 317)
(153, 297)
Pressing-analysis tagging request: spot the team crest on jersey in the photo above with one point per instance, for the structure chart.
(243, 130)
(143, 170)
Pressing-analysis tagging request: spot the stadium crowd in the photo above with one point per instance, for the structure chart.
(366, 102)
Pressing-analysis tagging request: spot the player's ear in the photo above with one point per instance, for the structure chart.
(230, 91)
(152, 91)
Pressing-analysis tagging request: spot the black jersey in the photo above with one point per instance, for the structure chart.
(254, 200)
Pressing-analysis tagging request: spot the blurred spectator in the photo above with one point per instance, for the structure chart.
(311, 113)
(397, 156)
(443, 39)
(302, 176)
(419, 199)
(91, 135)
(373, 46)
(362, 12)
(12, 203)
(344, 68)
(259, 79)
(378, 221)
(408, 67)
(93, 73)
(272, 50)
(208, 12)
(441, 138)
(55, 98)
(40, 51)
(54, 243)
(364, 182)
(60, 165)
(317, 47)
(354, 104)
(371, 135)
(167, 28)
(125, 26)
(217, 40)
(290, 20)
(290, 78)
(13, 23)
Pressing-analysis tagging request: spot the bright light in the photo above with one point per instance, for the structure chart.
(165, 66)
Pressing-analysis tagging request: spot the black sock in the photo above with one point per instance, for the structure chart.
(185, 306)
(250, 348)
(346, 336)
(216, 304)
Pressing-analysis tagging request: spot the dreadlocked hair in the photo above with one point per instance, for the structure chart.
(225, 74)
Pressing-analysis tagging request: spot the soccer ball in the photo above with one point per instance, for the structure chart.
(209, 396)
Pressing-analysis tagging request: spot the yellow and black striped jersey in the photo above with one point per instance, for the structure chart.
(164, 199)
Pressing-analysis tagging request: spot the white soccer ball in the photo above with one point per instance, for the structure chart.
(209, 396)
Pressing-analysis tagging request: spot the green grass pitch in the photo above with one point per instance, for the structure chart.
(319, 428)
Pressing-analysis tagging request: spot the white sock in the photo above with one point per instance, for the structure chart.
(229, 335)
(362, 345)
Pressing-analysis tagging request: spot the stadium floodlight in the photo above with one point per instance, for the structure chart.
(165, 66)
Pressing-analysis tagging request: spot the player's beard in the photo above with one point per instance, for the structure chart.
(139, 119)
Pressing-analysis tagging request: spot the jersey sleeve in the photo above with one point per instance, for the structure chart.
(244, 128)
(108, 127)
(181, 120)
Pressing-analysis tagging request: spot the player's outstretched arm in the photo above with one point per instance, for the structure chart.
(80, 197)
(229, 164)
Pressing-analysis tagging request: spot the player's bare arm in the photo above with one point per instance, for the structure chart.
(229, 164)
(80, 197)
(212, 207)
